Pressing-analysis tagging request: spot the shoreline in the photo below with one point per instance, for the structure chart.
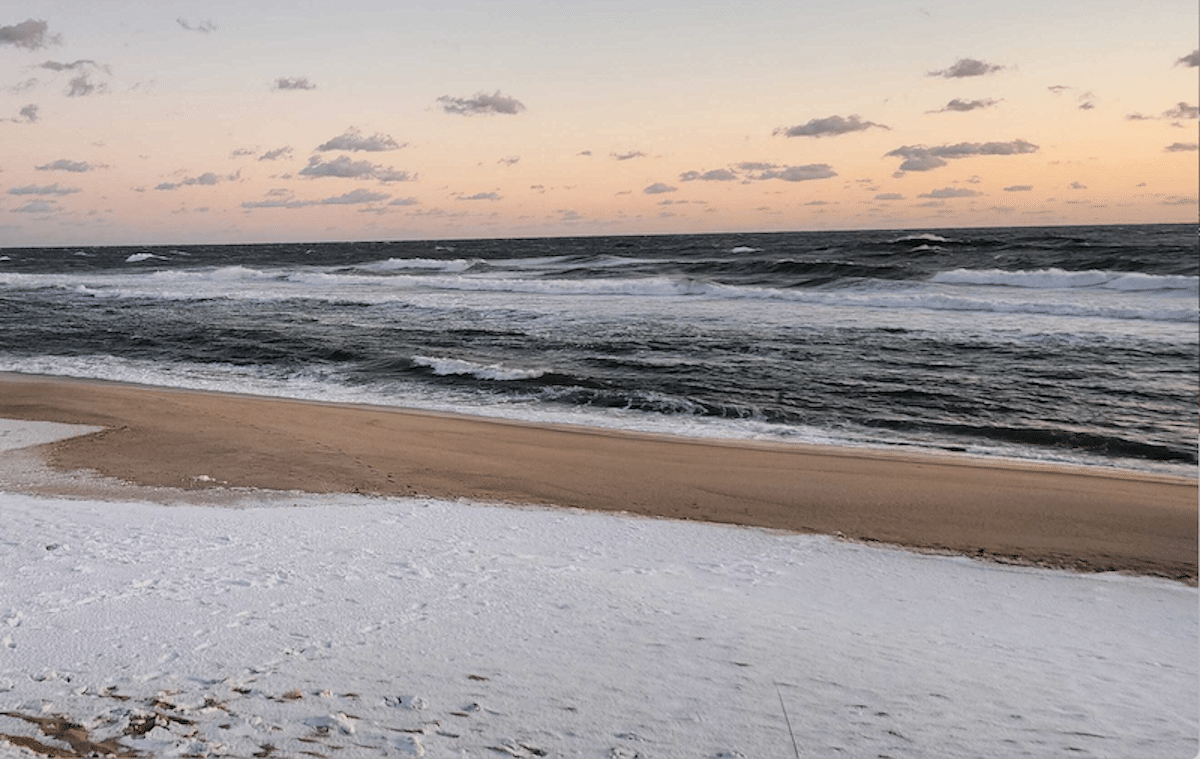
(1087, 519)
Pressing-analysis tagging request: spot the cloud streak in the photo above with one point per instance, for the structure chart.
(922, 158)
(1181, 147)
(204, 27)
(354, 140)
(286, 83)
(829, 126)
(343, 167)
(63, 164)
(966, 67)
(482, 104)
(50, 189)
(950, 192)
(958, 105)
(30, 34)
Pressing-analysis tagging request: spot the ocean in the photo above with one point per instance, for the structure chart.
(1056, 344)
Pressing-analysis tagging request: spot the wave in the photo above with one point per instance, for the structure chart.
(921, 237)
(408, 264)
(454, 366)
(138, 257)
(745, 249)
(1043, 279)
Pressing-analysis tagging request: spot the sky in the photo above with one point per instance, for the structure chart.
(137, 123)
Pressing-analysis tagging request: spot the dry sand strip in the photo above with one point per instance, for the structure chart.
(1087, 519)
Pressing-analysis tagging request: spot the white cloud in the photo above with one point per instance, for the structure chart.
(481, 103)
(828, 126)
(343, 167)
(659, 188)
(30, 34)
(799, 173)
(716, 175)
(49, 189)
(277, 153)
(950, 192)
(207, 179)
(354, 197)
(63, 164)
(965, 67)
(961, 106)
(202, 26)
(27, 115)
(293, 83)
(921, 158)
(354, 140)
(36, 206)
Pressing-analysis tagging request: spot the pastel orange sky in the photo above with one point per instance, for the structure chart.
(129, 122)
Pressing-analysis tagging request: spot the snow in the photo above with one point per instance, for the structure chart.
(361, 627)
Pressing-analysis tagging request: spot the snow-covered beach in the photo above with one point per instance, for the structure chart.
(340, 625)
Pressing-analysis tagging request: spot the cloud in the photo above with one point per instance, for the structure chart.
(27, 115)
(716, 175)
(1182, 111)
(81, 85)
(354, 197)
(1058, 89)
(404, 202)
(344, 168)
(961, 106)
(965, 67)
(207, 179)
(63, 164)
(292, 83)
(629, 155)
(1138, 117)
(889, 196)
(756, 166)
(277, 153)
(481, 196)
(1191, 60)
(1087, 101)
(1077, 186)
(798, 173)
(50, 189)
(1019, 188)
(394, 175)
(827, 127)
(30, 34)
(482, 103)
(817, 203)
(950, 192)
(510, 160)
(203, 26)
(584, 152)
(36, 206)
(354, 140)
(921, 158)
(1181, 147)
(241, 152)
(81, 64)
(658, 188)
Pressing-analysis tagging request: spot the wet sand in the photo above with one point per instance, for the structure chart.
(1081, 518)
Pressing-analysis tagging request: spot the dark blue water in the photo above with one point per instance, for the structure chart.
(1070, 344)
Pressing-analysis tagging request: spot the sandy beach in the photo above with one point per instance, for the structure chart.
(1086, 519)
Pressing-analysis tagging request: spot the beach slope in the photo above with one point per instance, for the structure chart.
(1086, 519)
